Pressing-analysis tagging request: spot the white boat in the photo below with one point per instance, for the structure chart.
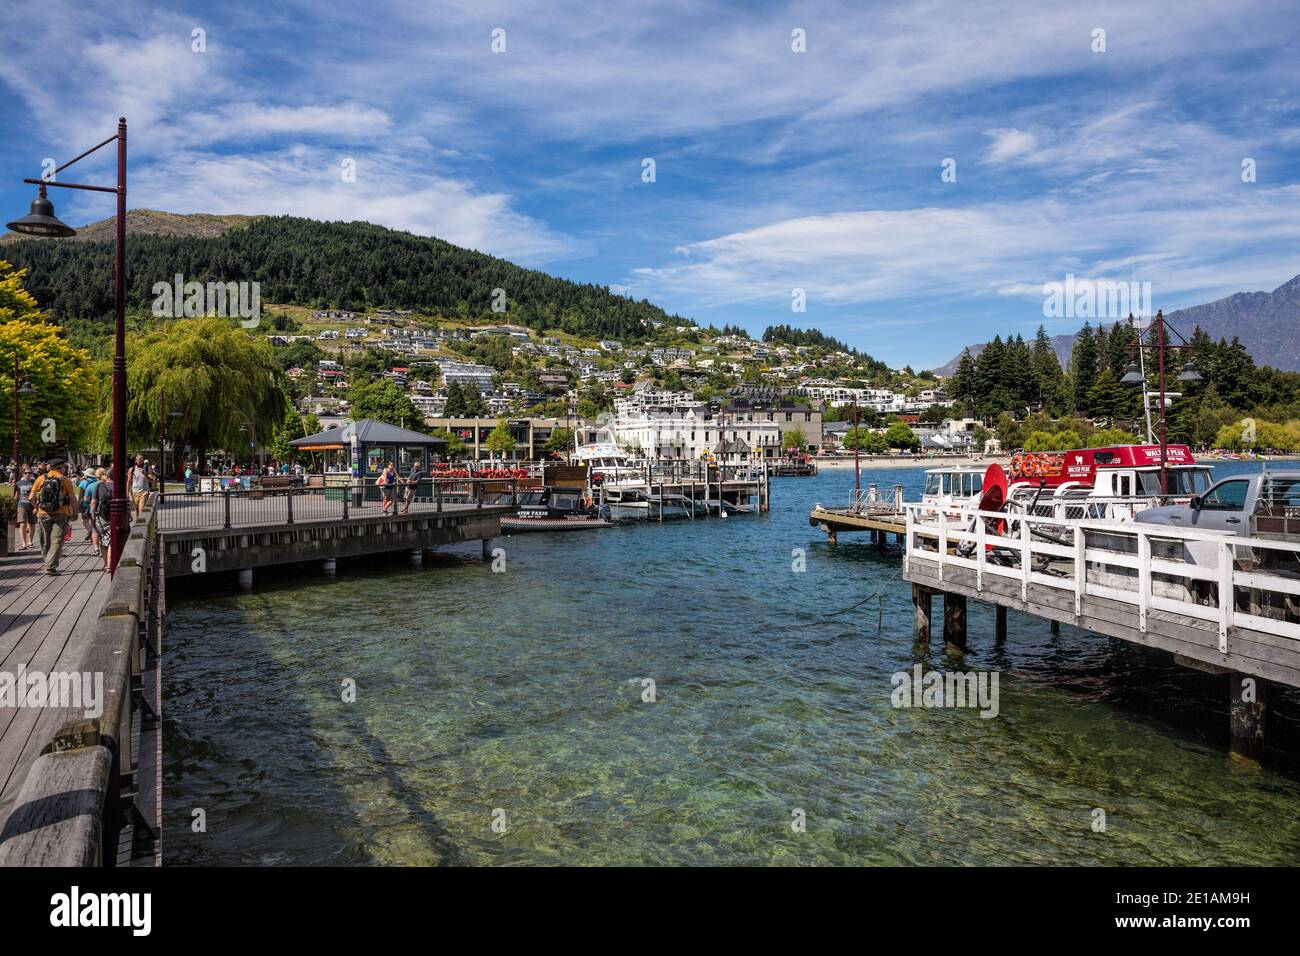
(951, 489)
(607, 461)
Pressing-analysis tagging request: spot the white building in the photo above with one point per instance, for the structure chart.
(463, 373)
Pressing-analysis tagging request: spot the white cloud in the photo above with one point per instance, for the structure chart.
(1230, 241)
(388, 190)
(1010, 144)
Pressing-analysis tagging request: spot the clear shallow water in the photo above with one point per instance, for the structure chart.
(522, 691)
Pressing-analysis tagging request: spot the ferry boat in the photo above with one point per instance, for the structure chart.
(555, 509)
(952, 488)
(1112, 482)
(606, 460)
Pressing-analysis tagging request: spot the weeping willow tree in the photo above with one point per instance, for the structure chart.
(214, 375)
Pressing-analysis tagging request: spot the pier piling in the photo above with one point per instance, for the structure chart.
(921, 601)
(954, 620)
(329, 567)
(417, 557)
(1247, 704)
(1000, 624)
(246, 579)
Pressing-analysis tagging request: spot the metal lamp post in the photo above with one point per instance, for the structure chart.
(42, 222)
(1134, 375)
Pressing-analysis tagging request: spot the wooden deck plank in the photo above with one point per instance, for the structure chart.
(44, 625)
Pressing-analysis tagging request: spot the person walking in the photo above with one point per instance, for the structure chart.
(26, 510)
(55, 499)
(85, 488)
(140, 483)
(101, 494)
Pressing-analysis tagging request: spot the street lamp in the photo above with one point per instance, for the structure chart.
(42, 222)
(1133, 375)
(250, 428)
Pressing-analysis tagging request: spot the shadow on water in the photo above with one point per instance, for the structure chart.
(268, 778)
(523, 690)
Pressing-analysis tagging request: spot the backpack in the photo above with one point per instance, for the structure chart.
(53, 498)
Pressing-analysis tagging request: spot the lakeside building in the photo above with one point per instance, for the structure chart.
(692, 431)
(786, 413)
(530, 435)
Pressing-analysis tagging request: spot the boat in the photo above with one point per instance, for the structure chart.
(952, 488)
(555, 509)
(1113, 482)
(607, 461)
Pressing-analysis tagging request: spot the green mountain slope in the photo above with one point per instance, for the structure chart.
(351, 265)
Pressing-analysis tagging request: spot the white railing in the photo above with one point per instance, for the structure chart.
(1088, 507)
(1195, 573)
(869, 500)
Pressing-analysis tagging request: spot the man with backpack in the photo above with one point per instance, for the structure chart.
(55, 498)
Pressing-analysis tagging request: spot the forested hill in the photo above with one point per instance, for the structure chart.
(351, 265)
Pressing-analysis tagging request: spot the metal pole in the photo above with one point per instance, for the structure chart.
(857, 445)
(118, 509)
(1160, 332)
(16, 420)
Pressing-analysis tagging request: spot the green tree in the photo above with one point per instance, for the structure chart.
(215, 374)
(793, 439)
(1083, 368)
(1111, 436)
(455, 405)
(560, 440)
(384, 401)
(66, 402)
(898, 435)
(455, 444)
(500, 441)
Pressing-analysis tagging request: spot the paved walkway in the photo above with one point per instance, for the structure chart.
(44, 626)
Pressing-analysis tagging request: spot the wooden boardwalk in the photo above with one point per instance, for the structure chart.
(46, 624)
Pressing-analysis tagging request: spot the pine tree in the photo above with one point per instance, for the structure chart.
(1083, 367)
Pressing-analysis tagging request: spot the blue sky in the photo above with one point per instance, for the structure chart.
(775, 170)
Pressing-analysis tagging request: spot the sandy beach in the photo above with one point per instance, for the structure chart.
(869, 462)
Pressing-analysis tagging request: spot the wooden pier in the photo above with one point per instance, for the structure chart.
(228, 533)
(80, 785)
(866, 511)
(1221, 603)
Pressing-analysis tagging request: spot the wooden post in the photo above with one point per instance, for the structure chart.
(1246, 708)
(1056, 629)
(246, 579)
(921, 601)
(487, 549)
(1000, 624)
(954, 619)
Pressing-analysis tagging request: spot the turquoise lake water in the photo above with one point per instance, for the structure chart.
(517, 698)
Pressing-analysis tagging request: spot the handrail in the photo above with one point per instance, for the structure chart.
(78, 795)
(1089, 558)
